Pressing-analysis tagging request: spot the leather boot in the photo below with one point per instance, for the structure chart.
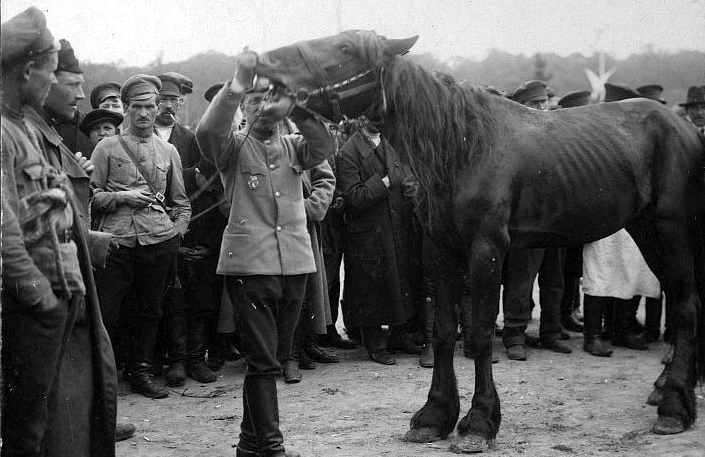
(608, 316)
(568, 320)
(652, 326)
(247, 445)
(400, 341)
(124, 431)
(261, 394)
(195, 358)
(593, 308)
(426, 358)
(625, 334)
(216, 353)
(141, 383)
(176, 373)
(143, 349)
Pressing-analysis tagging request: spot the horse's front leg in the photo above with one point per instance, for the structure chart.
(477, 430)
(436, 419)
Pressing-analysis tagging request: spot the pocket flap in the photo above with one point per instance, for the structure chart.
(254, 169)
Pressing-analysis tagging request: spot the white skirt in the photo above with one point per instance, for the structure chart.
(615, 267)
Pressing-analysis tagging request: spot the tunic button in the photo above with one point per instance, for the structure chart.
(279, 228)
(271, 166)
(396, 164)
(230, 254)
(277, 194)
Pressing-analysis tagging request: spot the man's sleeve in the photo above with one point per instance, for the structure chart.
(177, 193)
(20, 276)
(214, 133)
(318, 143)
(359, 195)
(322, 189)
(103, 199)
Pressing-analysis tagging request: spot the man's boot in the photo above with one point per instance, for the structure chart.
(124, 431)
(652, 325)
(608, 315)
(141, 382)
(633, 307)
(593, 308)
(568, 321)
(426, 358)
(141, 365)
(247, 445)
(177, 329)
(399, 340)
(625, 334)
(261, 394)
(197, 340)
(216, 353)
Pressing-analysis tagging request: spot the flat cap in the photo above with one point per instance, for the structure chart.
(575, 98)
(99, 115)
(617, 92)
(26, 35)
(530, 91)
(652, 91)
(175, 84)
(214, 89)
(103, 90)
(67, 59)
(696, 96)
(140, 87)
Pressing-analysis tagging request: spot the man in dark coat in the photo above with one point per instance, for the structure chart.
(171, 98)
(379, 253)
(59, 377)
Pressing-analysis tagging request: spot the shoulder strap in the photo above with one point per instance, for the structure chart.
(140, 169)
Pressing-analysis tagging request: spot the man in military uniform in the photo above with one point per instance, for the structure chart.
(266, 250)
(522, 265)
(59, 393)
(137, 177)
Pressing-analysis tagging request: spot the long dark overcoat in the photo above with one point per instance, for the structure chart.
(380, 221)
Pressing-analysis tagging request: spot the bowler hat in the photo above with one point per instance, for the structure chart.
(530, 91)
(99, 115)
(214, 89)
(26, 35)
(652, 91)
(696, 96)
(140, 87)
(617, 92)
(575, 98)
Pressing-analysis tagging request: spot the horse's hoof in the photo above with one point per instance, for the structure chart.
(666, 425)
(422, 435)
(655, 397)
(469, 444)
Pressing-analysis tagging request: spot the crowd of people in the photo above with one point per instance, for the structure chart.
(136, 248)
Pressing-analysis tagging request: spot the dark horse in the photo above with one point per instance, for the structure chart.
(494, 174)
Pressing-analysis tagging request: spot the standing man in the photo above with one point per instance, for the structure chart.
(522, 266)
(266, 251)
(59, 386)
(137, 178)
(695, 107)
(167, 126)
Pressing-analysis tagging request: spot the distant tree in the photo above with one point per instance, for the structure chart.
(540, 65)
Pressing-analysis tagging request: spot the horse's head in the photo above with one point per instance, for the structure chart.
(336, 76)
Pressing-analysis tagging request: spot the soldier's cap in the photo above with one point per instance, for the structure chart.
(652, 91)
(175, 84)
(530, 91)
(575, 98)
(214, 89)
(696, 96)
(26, 36)
(617, 92)
(67, 59)
(97, 116)
(139, 87)
(102, 91)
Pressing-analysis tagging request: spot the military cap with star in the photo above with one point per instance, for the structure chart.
(26, 36)
(530, 91)
(575, 98)
(617, 92)
(140, 87)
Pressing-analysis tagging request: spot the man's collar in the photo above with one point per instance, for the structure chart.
(263, 135)
(41, 123)
(146, 134)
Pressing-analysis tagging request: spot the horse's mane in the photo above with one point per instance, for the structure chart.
(439, 128)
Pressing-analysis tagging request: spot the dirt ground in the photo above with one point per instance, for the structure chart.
(552, 405)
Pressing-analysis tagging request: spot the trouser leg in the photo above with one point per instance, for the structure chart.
(551, 288)
(521, 270)
(593, 309)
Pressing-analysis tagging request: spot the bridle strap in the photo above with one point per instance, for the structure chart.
(316, 70)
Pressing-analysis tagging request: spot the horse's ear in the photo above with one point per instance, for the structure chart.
(400, 46)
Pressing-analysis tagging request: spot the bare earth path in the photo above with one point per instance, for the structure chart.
(552, 405)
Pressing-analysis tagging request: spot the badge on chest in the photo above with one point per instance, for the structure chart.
(253, 182)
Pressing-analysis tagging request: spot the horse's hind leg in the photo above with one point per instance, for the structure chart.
(675, 269)
(436, 419)
(478, 428)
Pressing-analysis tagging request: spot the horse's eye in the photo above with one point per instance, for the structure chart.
(343, 48)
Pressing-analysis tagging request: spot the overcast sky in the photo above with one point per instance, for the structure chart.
(134, 32)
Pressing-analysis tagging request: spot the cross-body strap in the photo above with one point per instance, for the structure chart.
(141, 170)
